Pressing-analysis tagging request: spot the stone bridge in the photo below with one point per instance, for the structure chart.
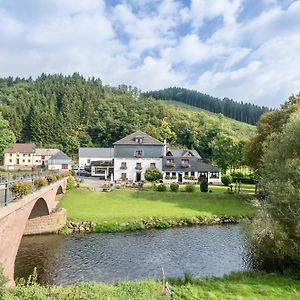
(33, 214)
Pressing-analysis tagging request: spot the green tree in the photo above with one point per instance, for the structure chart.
(269, 122)
(225, 150)
(7, 137)
(70, 145)
(275, 231)
(153, 174)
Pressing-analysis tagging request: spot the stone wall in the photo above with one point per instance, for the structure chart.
(47, 224)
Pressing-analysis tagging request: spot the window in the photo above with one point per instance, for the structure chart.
(23, 160)
(139, 140)
(192, 173)
(185, 163)
(167, 173)
(29, 160)
(174, 174)
(138, 153)
(186, 173)
(10, 160)
(152, 165)
(138, 166)
(214, 175)
(43, 156)
(36, 161)
(88, 161)
(170, 163)
(24, 154)
(123, 166)
(124, 176)
(10, 154)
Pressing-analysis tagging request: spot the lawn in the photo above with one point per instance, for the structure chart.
(241, 286)
(126, 205)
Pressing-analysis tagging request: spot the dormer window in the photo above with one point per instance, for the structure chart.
(185, 163)
(170, 163)
(138, 139)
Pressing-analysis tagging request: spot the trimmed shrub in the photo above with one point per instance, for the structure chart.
(190, 188)
(161, 188)
(204, 186)
(22, 188)
(153, 174)
(51, 178)
(40, 182)
(174, 187)
(226, 180)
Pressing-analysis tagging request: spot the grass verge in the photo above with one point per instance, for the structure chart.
(249, 285)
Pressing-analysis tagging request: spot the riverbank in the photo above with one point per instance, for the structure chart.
(126, 210)
(248, 285)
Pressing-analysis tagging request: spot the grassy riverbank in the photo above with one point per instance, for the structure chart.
(124, 209)
(236, 286)
(126, 205)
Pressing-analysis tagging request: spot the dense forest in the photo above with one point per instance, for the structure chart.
(69, 112)
(244, 112)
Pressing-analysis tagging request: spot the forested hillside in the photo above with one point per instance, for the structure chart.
(244, 112)
(71, 111)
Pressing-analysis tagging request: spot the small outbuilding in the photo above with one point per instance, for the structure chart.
(60, 162)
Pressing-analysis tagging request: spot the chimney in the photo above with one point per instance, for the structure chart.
(165, 147)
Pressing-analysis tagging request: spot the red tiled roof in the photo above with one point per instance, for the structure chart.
(21, 148)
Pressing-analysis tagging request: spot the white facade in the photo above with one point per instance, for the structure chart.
(130, 169)
(18, 160)
(190, 177)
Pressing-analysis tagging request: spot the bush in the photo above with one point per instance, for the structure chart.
(153, 174)
(161, 188)
(22, 188)
(174, 187)
(226, 180)
(204, 186)
(70, 183)
(58, 176)
(40, 182)
(190, 188)
(51, 178)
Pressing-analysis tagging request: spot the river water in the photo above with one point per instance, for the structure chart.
(199, 251)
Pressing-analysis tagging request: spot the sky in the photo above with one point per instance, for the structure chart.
(247, 50)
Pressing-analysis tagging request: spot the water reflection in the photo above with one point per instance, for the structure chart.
(200, 251)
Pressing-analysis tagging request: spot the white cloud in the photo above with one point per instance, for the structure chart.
(143, 42)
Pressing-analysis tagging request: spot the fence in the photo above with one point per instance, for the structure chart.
(6, 180)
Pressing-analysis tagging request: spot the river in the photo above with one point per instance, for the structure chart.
(200, 251)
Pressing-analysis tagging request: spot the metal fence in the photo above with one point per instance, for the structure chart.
(6, 181)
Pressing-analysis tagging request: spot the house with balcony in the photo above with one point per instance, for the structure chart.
(134, 154)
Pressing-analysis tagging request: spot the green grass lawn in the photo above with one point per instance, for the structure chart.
(126, 205)
(239, 286)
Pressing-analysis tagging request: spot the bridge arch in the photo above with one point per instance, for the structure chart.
(60, 191)
(15, 217)
(39, 209)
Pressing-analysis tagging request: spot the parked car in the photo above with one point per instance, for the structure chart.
(83, 173)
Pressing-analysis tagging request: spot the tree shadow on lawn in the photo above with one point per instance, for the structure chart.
(201, 203)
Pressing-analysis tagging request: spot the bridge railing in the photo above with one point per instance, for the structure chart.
(7, 180)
